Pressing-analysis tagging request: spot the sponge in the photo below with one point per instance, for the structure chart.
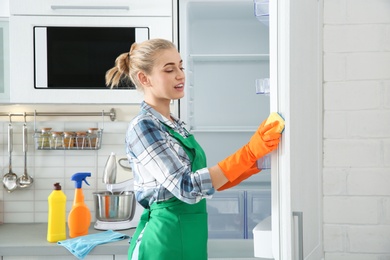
(274, 116)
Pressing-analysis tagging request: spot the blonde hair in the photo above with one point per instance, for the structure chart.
(141, 57)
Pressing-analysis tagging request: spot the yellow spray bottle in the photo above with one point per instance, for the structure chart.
(79, 218)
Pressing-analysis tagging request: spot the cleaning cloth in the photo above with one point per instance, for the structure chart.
(82, 245)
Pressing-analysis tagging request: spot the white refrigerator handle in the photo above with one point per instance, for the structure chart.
(299, 215)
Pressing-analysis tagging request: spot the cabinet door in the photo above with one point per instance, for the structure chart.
(296, 92)
(4, 60)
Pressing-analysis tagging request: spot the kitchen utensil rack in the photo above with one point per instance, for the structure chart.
(111, 114)
(87, 142)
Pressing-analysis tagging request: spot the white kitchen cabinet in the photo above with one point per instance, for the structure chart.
(4, 59)
(91, 8)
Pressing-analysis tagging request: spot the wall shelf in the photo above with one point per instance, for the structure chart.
(48, 141)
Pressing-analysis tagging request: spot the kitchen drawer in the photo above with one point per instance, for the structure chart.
(92, 8)
(4, 59)
(226, 215)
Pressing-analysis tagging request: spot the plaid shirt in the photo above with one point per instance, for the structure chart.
(160, 165)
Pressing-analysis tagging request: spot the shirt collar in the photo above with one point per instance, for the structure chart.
(148, 109)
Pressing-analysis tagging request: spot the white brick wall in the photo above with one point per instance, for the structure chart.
(356, 176)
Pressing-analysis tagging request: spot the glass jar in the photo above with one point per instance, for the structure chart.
(44, 138)
(93, 137)
(56, 140)
(68, 140)
(81, 140)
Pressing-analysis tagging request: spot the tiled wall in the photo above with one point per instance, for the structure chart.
(48, 167)
(356, 177)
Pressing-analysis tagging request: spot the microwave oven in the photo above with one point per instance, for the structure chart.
(60, 52)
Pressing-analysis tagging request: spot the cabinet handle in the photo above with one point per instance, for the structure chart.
(299, 215)
(83, 7)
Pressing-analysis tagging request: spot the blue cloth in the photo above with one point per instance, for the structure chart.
(81, 246)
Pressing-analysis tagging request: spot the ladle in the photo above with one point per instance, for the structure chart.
(9, 179)
(25, 180)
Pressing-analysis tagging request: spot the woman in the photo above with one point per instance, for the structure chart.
(171, 176)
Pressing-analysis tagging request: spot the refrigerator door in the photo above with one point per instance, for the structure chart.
(296, 93)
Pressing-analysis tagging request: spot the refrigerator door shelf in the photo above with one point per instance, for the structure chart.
(262, 11)
(263, 86)
(264, 163)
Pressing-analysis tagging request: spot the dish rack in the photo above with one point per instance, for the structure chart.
(74, 140)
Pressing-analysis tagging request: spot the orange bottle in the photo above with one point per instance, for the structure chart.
(79, 218)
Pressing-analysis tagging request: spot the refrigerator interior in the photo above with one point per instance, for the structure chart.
(225, 49)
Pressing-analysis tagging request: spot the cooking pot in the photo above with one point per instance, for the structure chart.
(114, 206)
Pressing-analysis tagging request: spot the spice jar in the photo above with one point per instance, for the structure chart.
(68, 140)
(81, 140)
(44, 138)
(93, 137)
(56, 140)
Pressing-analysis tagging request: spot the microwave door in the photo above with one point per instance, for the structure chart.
(78, 57)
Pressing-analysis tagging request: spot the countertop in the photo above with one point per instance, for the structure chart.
(30, 239)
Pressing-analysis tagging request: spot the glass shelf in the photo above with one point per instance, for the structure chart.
(229, 57)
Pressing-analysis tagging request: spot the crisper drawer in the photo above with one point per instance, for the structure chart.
(226, 215)
(234, 214)
(92, 8)
(258, 209)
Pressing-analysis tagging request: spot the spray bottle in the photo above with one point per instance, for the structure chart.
(79, 218)
(56, 222)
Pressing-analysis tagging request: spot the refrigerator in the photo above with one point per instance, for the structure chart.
(225, 50)
(244, 59)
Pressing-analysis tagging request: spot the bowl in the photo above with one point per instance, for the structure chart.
(115, 206)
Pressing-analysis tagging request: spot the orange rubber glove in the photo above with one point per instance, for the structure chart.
(265, 140)
(245, 175)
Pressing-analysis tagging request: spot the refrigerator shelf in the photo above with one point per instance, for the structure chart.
(231, 129)
(229, 57)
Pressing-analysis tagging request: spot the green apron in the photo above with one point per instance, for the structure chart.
(174, 229)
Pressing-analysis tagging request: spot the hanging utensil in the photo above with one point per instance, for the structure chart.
(9, 179)
(25, 180)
